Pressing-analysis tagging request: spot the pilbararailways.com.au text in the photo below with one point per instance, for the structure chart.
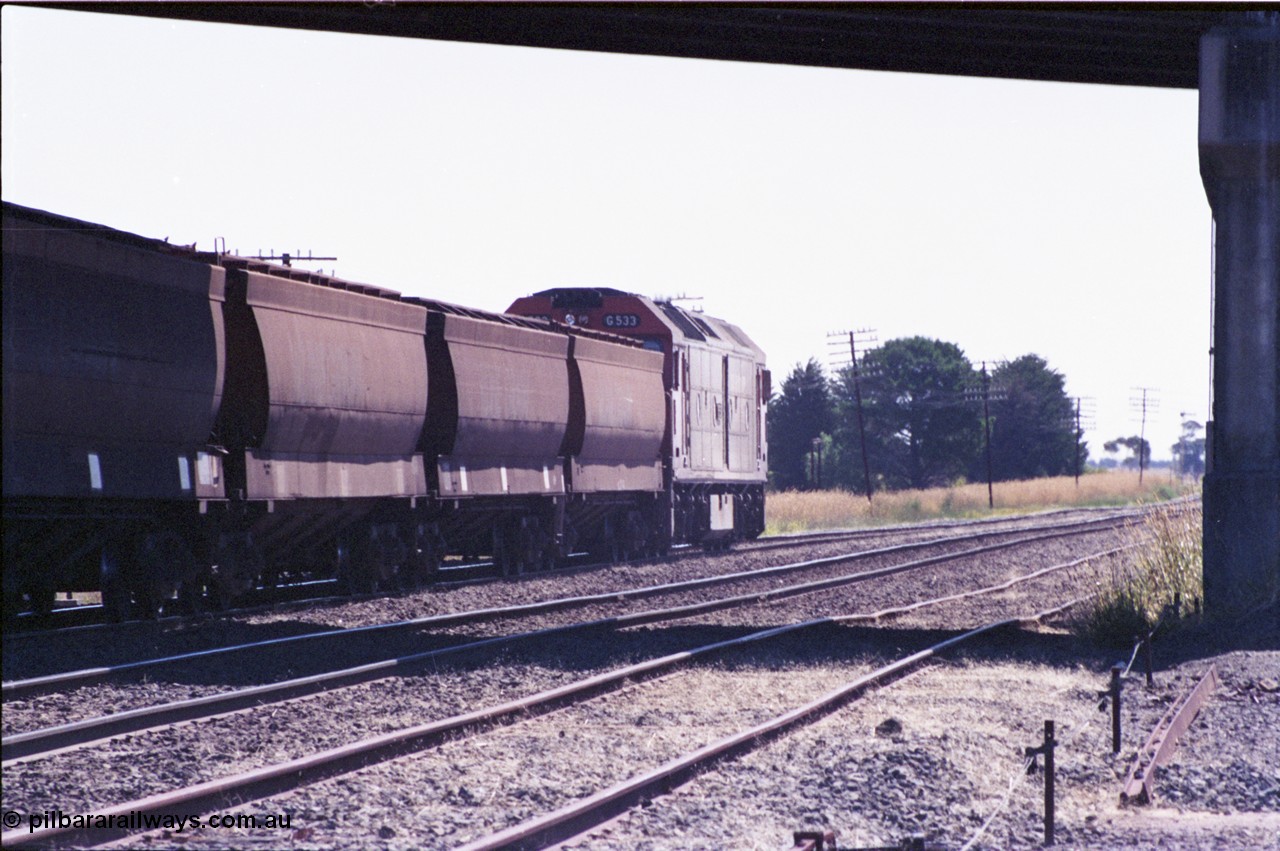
(138, 820)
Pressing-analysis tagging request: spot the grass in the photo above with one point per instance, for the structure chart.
(1166, 564)
(798, 511)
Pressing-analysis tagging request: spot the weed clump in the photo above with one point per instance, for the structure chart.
(1165, 566)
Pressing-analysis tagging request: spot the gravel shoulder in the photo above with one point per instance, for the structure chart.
(941, 754)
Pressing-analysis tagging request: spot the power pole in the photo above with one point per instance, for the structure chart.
(857, 396)
(986, 420)
(1144, 404)
(1083, 414)
(988, 392)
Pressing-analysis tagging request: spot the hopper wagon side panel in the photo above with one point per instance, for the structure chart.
(331, 391)
(113, 364)
(625, 419)
(502, 413)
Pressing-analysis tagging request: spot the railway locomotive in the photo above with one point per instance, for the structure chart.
(186, 424)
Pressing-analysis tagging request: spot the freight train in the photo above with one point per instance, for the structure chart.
(181, 424)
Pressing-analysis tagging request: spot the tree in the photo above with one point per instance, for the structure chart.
(920, 431)
(1032, 422)
(1188, 452)
(800, 413)
(1131, 443)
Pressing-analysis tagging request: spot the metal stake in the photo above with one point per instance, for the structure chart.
(1115, 708)
(1047, 750)
(1149, 659)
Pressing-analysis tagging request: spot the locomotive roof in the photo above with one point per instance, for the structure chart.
(693, 325)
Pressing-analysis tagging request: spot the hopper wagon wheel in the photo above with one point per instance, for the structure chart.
(427, 554)
(505, 560)
(342, 566)
(239, 564)
(386, 557)
(165, 568)
(531, 544)
(40, 594)
(356, 574)
(116, 600)
(637, 537)
(548, 550)
(568, 542)
(12, 597)
(609, 547)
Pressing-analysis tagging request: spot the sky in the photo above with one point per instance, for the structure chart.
(1008, 217)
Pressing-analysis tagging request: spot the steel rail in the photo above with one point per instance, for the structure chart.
(42, 741)
(574, 819)
(282, 777)
(34, 686)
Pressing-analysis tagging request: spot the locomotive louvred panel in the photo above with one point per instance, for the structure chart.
(707, 413)
(742, 415)
(512, 387)
(346, 380)
(113, 363)
(625, 417)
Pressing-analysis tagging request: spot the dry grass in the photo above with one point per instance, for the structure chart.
(796, 511)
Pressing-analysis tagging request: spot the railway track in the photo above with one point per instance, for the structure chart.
(151, 717)
(565, 821)
(31, 687)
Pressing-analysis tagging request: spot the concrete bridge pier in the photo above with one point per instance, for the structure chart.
(1240, 166)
